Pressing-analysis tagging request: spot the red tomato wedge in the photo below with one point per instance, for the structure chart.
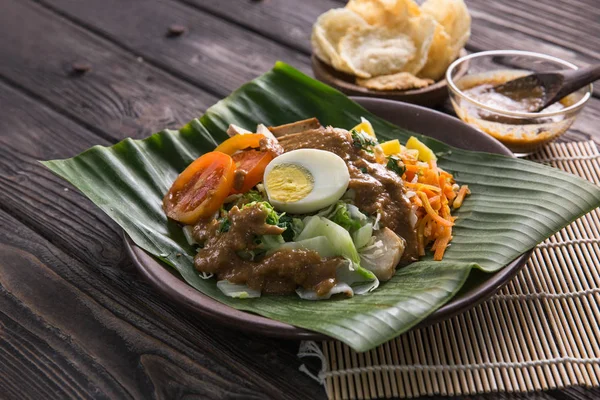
(250, 166)
(199, 191)
(240, 142)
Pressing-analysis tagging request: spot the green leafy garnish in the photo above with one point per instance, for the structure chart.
(272, 215)
(252, 196)
(224, 224)
(293, 227)
(363, 141)
(396, 165)
(341, 217)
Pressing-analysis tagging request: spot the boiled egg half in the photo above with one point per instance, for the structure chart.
(305, 180)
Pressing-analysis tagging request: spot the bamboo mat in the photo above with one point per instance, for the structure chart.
(541, 331)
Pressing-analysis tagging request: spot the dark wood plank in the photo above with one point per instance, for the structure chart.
(31, 131)
(289, 22)
(550, 25)
(498, 26)
(95, 340)
(120, 97)
(213, 54)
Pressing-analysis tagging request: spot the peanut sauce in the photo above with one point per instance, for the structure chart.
(376, 190)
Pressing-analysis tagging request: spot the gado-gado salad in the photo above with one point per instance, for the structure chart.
(235, 197)
(314, 210)
(392, 44)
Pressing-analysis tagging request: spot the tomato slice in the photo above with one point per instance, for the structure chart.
(199, 191)
(250, 167)
(240, 142)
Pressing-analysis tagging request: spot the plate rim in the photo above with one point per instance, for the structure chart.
(166, 281)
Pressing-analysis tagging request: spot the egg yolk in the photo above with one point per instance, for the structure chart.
(289, 183)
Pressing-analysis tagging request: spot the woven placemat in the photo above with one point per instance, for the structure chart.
(541, 331)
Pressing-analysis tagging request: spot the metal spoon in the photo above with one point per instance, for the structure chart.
(539, 90)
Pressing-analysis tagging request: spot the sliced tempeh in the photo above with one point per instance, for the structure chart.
(295, 127)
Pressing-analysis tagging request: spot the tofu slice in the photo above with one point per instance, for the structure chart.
(384, 264)
(236, 130)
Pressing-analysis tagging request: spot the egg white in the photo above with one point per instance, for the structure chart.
(330, 179)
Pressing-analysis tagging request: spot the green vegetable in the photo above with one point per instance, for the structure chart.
(224, 224)
(363, 141)
(362, 236)
(351, 280)
(234, 290)
(340, 239)
(339, 213)
(515, 205)
(269, 242)
(343, 218)
(320, 244)
(272, 215)
(252, 196)
(396, 165)
(292, 226)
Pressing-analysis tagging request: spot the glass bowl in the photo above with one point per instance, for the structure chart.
(523, 133)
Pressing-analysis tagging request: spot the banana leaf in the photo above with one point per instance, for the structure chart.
(514, 205)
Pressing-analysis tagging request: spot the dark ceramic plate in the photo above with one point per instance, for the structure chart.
(430, 96)
(478, 287)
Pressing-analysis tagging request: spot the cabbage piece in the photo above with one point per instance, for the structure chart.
(320, 244)
(237, 291)
(383, 253)
(309, 294)
(356, 213)
(341, 241)
(188, 233)
(293, 227)
(342, 217)
(362, 236)
(351, 279)
(360, 279)
(348, 216)
(270, 242)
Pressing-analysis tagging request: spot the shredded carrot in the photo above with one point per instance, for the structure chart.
(435, 202)
(417, 201)
(412, 167)
(441, 244)
(460, 197)
(430, 211)
(421, 234)
(435, 192)
(422, 186)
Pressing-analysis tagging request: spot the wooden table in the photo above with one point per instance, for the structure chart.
(76, 321)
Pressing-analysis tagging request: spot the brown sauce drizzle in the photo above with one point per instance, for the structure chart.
(376, 188)
(277, 273)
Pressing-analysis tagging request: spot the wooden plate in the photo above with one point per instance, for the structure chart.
(430, 96)
(415, 118)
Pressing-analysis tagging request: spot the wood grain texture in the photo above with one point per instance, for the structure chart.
(94, 340)
(560, 23)
(118, 337)
(214, 54)
(289, 22)
(120, 97)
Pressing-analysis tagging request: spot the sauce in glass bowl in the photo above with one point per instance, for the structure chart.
(522, 134)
